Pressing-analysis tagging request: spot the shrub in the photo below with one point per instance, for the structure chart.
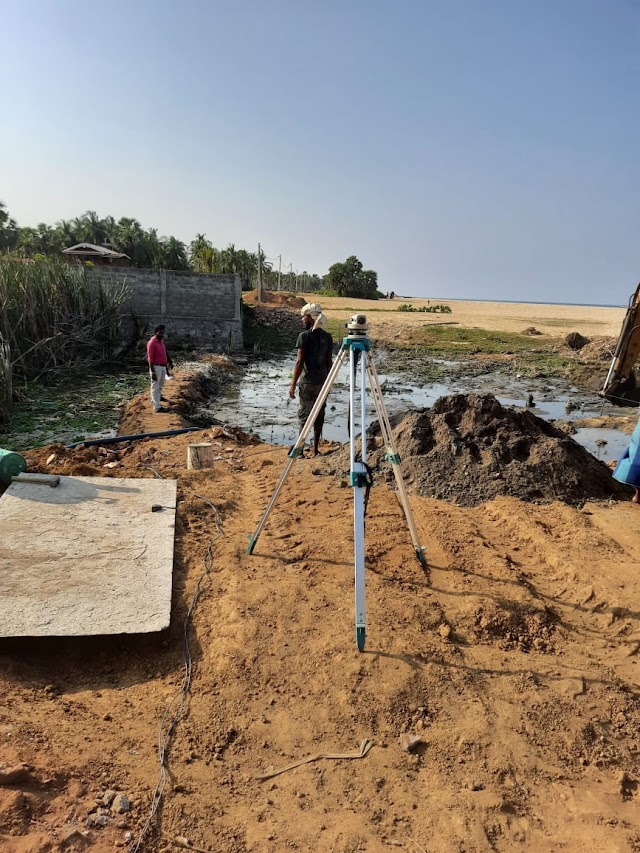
(435, 309)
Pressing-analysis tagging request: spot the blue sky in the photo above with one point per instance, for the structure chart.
(468, 148)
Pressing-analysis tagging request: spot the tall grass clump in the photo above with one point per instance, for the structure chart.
(52, 318)
(6, 392)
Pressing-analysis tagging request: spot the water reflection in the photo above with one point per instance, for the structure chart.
(261, 403)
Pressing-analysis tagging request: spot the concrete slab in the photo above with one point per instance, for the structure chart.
(88, 557)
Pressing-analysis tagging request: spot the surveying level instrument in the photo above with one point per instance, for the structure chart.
(356, 350)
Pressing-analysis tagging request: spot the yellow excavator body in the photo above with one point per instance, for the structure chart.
(620, 386)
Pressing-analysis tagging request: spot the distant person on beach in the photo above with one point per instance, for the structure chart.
(159, 366)
(312, 367)
(628, 467)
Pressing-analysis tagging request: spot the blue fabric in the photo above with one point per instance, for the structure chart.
(628, 467)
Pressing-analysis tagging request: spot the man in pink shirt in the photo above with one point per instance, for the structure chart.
(159, 365)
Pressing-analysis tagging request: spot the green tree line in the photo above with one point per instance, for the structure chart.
(147, 250)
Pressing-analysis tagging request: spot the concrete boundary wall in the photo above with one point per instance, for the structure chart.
(194, 307)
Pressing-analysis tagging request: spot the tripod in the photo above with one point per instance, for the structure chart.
(356, 350)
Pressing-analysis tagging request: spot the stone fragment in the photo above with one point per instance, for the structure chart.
(70, 834)
(121, 804)
(586, 594)
(409, 742)
(108, 797)
(445, 631)
(17, 775)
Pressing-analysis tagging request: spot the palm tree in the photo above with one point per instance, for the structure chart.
(8, 230)
(110, 227)
(130, 238)
(91, 228)
(201, 253)
(246, 267)
(66, 234)
(229, 260)
(47, 242)
(28, 241)
(4, 215)
(154, 249)
(175, 254)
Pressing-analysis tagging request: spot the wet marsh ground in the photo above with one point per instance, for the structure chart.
(69, 409)
(427, 362)
(260, 403)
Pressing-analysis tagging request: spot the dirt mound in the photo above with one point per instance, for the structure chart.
(515, 625)
(600, 349)
(277, 298)
(195, 386)
(576, 341)
(284, 321)
(138, 458)
(469, 449)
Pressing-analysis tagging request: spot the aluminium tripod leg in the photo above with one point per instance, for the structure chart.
(296, 450)
(358, 476)
(394, 457)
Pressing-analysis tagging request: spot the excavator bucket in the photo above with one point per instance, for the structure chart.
(620, 386)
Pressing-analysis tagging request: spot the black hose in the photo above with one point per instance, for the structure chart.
(119, 438)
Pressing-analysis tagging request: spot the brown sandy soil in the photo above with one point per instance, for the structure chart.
(138, 415)
(274, 299)
(515, 661)
(184, 392)
(551, 320)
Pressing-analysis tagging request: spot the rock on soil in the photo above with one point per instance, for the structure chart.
(470, 448)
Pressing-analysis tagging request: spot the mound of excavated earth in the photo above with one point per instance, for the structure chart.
(470, 448)
(281, 298)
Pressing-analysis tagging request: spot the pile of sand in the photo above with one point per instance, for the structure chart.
(469, 449)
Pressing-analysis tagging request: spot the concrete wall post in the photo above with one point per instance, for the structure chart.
(163, 293)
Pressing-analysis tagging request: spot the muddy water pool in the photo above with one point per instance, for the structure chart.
(260, 403)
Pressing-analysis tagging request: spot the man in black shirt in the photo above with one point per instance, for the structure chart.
(312, 364)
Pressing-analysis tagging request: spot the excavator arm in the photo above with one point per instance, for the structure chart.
(620, 385)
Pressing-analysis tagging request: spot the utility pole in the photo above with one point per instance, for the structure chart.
(290, 276)
(279, 269)
(259, 276)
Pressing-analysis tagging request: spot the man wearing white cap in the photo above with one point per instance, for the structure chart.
(312, 366)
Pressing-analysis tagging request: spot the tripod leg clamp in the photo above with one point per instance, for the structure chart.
(360, 479)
